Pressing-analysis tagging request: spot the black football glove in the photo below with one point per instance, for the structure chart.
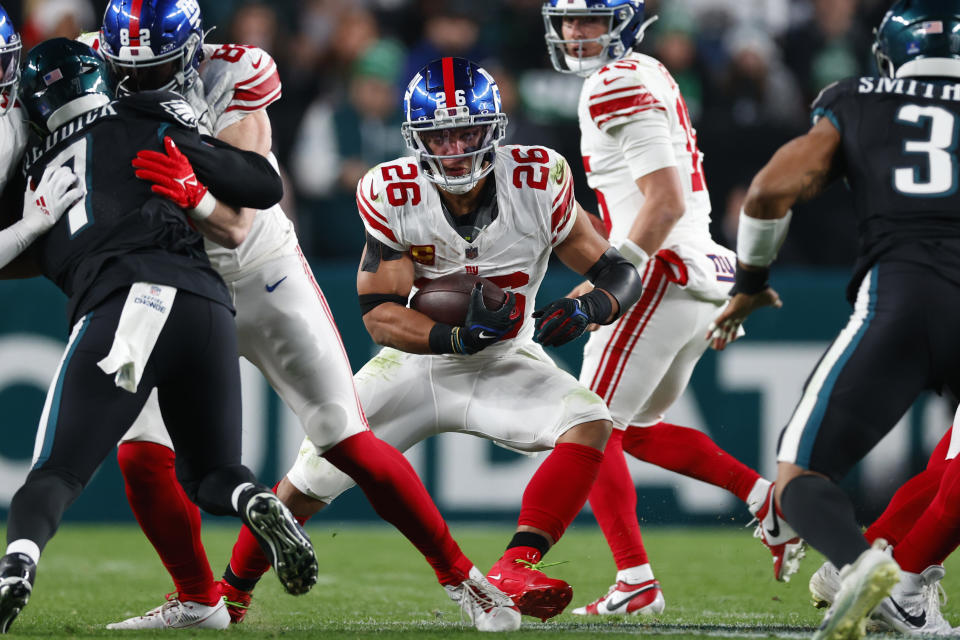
(482, 327)
(560, 322)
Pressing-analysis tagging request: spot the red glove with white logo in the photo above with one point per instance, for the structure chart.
(173, 178)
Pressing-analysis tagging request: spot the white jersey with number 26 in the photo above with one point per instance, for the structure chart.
(536, 211)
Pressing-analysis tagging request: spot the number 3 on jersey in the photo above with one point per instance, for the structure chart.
(939, 147)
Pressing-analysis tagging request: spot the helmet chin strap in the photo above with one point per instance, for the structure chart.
(74, 108)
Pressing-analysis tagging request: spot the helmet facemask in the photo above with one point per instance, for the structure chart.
(9, 73)
(139, 69)
(480, 134)
(567, 55)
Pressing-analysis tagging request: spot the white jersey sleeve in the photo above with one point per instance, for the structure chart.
(380, 218)
(13, 142)
(563, 202)
(237, 81)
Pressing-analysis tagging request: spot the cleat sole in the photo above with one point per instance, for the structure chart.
(13, 598)
(850, 623)
(544, 603)
(286, 544)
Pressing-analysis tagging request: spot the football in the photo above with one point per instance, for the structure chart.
(446, 299)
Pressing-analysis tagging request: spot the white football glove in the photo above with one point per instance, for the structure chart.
(59, 189)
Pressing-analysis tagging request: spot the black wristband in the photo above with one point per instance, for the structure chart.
(750, 281)
(596, 304)
(444, 338)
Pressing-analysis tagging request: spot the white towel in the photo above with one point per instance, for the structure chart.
(143, 316)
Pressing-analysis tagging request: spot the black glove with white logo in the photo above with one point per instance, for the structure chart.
(481, 328)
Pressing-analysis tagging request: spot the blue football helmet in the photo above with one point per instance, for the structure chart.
(10, 47)
(153, 44)
(919, 38)
(453, 99)
(62, 79)
(625, 27)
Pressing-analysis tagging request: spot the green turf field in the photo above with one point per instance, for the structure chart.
(373, 584)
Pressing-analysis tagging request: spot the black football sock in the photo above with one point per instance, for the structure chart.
(820, 512)
(530, 539)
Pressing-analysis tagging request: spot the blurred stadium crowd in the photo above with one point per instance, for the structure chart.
(748, 69)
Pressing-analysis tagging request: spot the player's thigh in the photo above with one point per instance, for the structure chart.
(198, 383)
(522, 399)
(286, 329)
(864, 382)
(400, 394)
(625, 363)
(85, 413)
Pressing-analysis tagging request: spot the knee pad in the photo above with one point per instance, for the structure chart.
(328, 424)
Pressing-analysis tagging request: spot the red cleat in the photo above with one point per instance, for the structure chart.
(779, 537)
(238, 602)
(534, 593)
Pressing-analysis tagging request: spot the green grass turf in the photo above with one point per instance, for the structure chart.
(373, 584)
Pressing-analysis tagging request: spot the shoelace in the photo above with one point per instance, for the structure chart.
(238, 605)
(539, 566)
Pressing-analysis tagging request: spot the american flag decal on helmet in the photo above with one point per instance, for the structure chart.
(53, 76)
(930, 27)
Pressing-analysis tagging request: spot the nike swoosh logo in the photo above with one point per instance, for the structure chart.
(483, 335)
(276, 284)
(256, 65)
(496, 577)
(613, 607)
(916, 621)
(775, 531)
(607, 81)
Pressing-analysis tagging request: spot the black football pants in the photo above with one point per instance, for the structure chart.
(194, 366)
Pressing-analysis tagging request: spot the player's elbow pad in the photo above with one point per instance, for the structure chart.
(617, 276)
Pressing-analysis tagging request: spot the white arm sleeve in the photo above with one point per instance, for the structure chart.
(646, 144)
(14, 240)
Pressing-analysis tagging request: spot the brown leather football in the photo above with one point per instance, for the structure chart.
(446, 299)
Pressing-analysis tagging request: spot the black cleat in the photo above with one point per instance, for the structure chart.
(282, 539)
(17, 572)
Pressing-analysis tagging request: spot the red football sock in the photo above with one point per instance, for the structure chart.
(614, 502)
(559, 488)
(247, 561)
(170, 521)
(691, 453)
(399, 497)
(937, 532)
(911, 499)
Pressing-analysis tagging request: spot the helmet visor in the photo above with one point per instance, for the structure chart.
(139, 77)
(9, 65)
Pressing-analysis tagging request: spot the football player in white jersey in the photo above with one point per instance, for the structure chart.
(641, 157)
(460, 203)
(284, 327)
(56, 191)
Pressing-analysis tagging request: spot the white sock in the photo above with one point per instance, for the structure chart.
(757, 495)
(635, 575)
(235, 498)
(26, 547)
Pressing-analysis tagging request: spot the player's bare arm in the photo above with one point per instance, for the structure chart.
(227, 226)
(663, 206)
(798, 171)
(581, 250)
(384, 282)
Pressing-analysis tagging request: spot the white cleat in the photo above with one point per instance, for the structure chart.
(623, 598)
(174, 614)
(824, 584)
(863, 585)
(913, 606)
(488, 608)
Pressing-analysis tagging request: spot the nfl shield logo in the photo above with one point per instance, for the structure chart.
(471, 253)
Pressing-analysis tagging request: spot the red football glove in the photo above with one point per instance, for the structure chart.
(173, 178)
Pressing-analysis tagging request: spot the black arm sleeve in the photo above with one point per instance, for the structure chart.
(236, 177)
(617, 276)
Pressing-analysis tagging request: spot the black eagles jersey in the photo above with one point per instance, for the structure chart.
(121, 232)
(899, 156)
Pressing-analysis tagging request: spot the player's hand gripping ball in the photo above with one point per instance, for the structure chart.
(447, 298)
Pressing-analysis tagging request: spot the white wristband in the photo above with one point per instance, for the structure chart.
(204, 208)
(634, 253)
(758, 241)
